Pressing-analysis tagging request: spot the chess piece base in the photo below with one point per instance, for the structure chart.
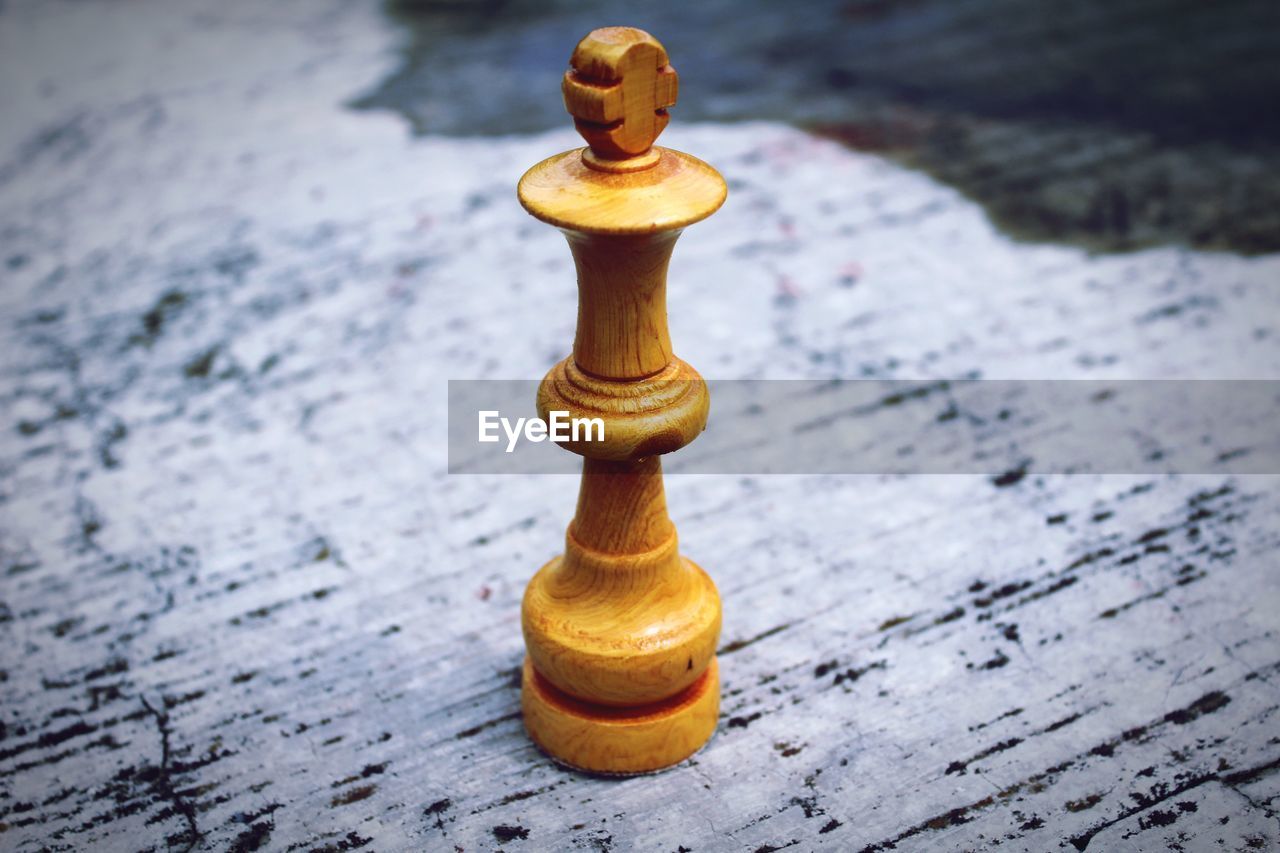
(606, 739)
(623, 630)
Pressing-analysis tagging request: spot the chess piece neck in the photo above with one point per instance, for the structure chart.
(622, 303)
(622, 508)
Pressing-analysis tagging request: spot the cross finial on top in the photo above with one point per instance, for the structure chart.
(617, 91)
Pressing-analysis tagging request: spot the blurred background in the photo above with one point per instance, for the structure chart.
(1113, 124)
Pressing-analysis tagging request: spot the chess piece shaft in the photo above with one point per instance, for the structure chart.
(621, 630)
(622, 304)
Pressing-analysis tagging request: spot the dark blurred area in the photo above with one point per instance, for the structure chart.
(1110, 124)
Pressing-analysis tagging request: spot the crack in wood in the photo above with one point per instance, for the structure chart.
(164, 779)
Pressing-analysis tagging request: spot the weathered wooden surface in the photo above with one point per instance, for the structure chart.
(243, 606)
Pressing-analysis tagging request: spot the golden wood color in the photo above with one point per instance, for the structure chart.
(621, 631)
(617, 89)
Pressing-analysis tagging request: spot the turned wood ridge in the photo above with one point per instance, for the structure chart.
(621, 630)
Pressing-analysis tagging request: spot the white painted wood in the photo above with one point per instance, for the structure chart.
(243, 606)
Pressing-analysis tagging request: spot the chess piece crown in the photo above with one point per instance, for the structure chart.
(621, 630)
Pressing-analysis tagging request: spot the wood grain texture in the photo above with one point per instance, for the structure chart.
(678, 190)
(605, 739)
(618, 89)
(622, 625)
(245, 608)
(658, 414)
(621, 619)
(622, 304)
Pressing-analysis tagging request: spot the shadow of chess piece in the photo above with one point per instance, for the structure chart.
(621, 631)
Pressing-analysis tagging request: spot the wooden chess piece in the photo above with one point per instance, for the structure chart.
(621, 631)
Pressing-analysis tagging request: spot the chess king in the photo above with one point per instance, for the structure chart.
(621, 630)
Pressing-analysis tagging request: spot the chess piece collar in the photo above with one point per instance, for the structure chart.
(618, 89)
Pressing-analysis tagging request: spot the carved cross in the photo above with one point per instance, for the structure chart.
(618, 89)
